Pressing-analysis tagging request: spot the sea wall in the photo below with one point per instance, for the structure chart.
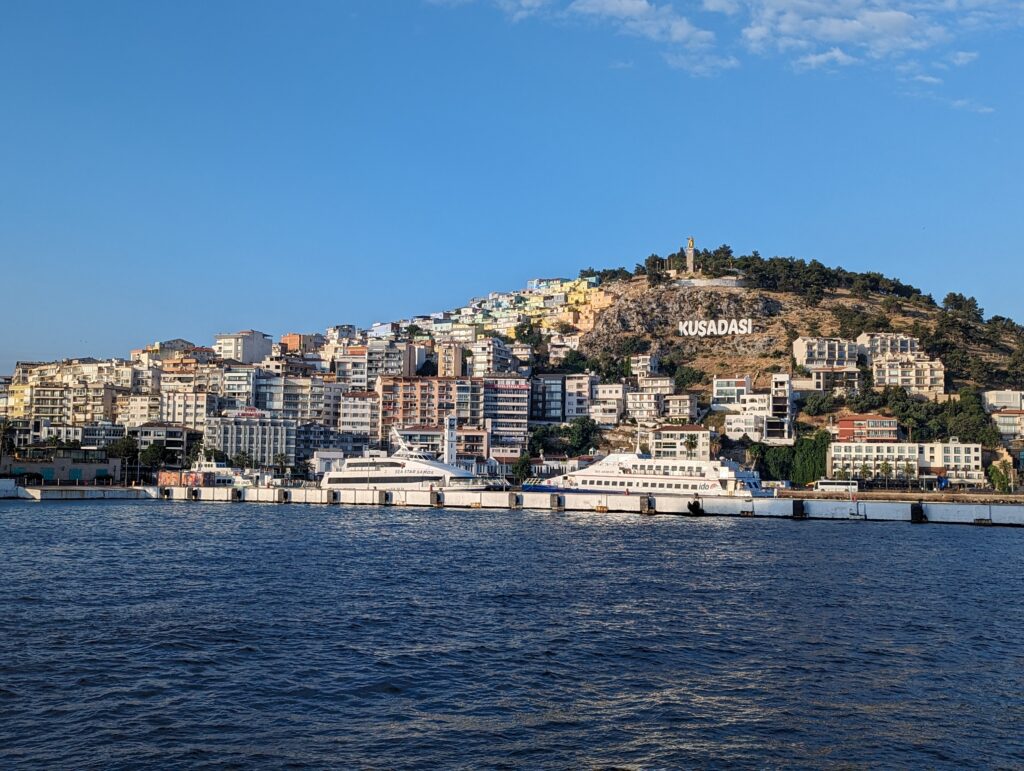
(598, 503)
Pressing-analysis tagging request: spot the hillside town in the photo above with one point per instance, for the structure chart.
(289, 407)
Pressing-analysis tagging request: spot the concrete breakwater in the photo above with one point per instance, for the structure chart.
(909, 510)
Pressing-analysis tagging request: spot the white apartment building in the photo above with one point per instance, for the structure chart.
(239, 388)
(1010, 424)
(1003, 400)
(189, 409)
(685, 442)
(868, 460)
(255, 432)
(748, 424)
(140, 409)
(387, 358)
(608, 404)
(246, 347)
(680, 408)
(559, 346)
(643, 364)
(302, 399)
(358, 413)
(960, 463)
(350, 369)
(917, 375)
(506, 415)
(488, 355)
(824, 352)
(873, 345)
(145, 379)
(579, 393)
(727, 392)
(656, 384)
(644, 407)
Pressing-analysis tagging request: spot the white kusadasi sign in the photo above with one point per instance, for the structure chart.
(716, 327)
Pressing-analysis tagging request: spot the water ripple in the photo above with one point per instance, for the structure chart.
(202, 636)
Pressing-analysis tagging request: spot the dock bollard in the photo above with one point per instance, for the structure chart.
(917, 515)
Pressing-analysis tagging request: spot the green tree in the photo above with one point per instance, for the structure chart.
(6, 438)
(583, 435)
(529, 334)
(690, 443)
(778, 463)
(157, 455)
(521, 469)
(1000, 475)
(819, 404)
(574, 362)
(195, 451)
(127, 449)
(243, 460)
(810, 458)
(686, 377)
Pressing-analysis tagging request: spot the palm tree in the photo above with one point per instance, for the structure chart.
(908, 470)
(280, 462)
(5, 431)
(690, 443)
(886, 470)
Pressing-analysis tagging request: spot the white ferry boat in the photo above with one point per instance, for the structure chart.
(635, 473)
(406, 469)
(223, 475)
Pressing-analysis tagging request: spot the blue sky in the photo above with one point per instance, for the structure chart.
(181, 168)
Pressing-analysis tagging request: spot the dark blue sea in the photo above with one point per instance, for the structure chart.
(185, 635)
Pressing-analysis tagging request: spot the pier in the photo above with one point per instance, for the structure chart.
(893, 509)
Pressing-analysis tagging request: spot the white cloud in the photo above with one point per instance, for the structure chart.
(874, 29)
(834, 56)
(910, 38)
(728, 7)
(520, 9)
(960, 58)
(660, 23)
(701, 64)
(969, 105)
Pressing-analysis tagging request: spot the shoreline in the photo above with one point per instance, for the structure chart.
(892, 507)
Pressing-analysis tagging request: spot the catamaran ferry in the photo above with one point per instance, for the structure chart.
(406, 469)
(633, 472)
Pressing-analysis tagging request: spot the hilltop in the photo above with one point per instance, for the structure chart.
(787, 298)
